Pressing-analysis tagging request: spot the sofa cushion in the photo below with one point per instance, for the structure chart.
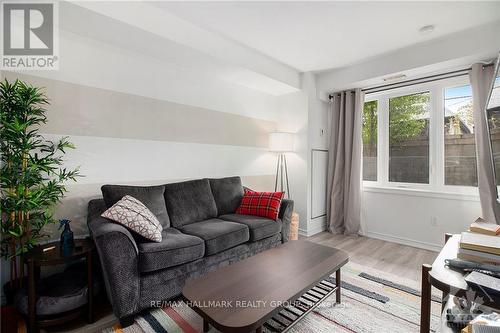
(176, 248)
(132, 213)
(260, 227)
(218, 235)
(189, 202)
(150, 196)
(265, 204)
(228, 193)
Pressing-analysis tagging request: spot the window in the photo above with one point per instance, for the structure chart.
(370, 132)
(421, 137)
(409, 138)
(460, 166)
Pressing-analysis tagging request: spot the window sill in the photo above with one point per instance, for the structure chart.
(473, 196)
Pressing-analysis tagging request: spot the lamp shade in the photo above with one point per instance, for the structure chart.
(281, 142)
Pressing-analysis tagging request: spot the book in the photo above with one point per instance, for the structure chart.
(485, 328)
(481, 227)
(480, 242)
(487, 283)
(479, 259)
(479, 254)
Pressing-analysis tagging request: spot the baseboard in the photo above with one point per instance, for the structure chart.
(404, 241)
(314, 227)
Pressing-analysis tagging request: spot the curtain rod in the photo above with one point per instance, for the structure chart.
(425, 79)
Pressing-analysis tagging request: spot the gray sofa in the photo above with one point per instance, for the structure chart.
(201, 232)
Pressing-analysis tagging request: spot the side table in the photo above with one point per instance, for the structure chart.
(449, 281)
(37, 258)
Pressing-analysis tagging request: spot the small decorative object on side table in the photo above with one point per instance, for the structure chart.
(67, 239)
(50, 255)
(294, 227)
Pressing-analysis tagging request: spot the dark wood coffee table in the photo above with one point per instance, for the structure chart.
(243, 296)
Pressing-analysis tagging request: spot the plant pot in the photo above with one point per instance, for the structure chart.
(10, 289)
(12, 322)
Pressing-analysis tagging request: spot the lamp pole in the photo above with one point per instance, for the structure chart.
(282, 174)
(281, 142)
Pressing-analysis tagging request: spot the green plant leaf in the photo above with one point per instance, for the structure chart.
(32, 172)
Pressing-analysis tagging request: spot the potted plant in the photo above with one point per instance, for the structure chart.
(32, 176)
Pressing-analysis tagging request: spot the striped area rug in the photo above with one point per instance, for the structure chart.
(372, 301)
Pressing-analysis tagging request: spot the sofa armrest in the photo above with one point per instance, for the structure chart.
(118, 254)
(285, 214)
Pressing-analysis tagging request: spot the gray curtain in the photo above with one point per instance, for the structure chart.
(344, 163)
(480, 79)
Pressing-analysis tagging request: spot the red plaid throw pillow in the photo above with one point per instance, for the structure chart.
(265, 204)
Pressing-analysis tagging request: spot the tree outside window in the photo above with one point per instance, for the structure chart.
(370, 123)
(409, 138)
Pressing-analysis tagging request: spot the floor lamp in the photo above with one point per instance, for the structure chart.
(281, 143)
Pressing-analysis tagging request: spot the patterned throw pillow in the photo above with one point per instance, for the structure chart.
(134, 215)
(264, 204)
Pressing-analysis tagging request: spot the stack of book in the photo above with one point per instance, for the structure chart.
(481, 244)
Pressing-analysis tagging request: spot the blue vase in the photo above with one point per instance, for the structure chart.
(67, 240)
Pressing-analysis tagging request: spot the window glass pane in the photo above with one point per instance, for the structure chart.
(370, 140)
(459, 144)
(494, 126)
(409, 138)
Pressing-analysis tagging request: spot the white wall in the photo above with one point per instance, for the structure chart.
(415, 219)
(103, 159)
(318, 137)
(91, 63)
(94, 63)
(306, 115)
(293, 118)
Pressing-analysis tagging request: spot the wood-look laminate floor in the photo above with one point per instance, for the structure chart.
(405, 261)
(402, 260)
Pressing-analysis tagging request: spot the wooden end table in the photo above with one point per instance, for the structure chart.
(449, 281)
(37, 258)
(258, 288)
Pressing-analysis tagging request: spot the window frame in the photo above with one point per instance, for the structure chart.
(436, 139)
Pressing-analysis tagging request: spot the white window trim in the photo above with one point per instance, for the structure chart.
(436, 186)
(422, 193)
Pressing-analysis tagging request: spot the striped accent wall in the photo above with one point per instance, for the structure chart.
(124, 138)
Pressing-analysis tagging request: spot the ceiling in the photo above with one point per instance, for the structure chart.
(315, 36)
